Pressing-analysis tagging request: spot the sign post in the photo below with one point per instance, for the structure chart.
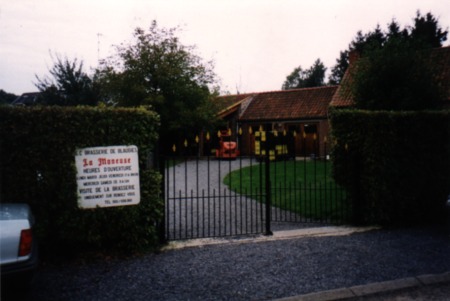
(107, 176)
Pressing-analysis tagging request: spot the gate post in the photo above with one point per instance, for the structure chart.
(268, 185)
(161, 166)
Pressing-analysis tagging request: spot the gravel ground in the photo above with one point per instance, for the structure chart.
(251, 271)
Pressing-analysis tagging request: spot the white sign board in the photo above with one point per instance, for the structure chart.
(108, 176)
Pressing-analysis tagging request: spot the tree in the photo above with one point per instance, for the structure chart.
(299, 78)
(338, 71)
(426, 30)
(67, 85)
(295, 79)
(157, 70)
(426, 33)
(6, 98)
(398, 73)
(361, 42)
(398, 76)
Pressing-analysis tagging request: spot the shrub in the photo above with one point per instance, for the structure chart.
(395, 165)
(37, 150)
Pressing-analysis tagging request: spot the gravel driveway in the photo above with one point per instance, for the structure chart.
(251, 271)
(199, 204)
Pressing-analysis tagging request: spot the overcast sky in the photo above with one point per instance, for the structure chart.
(255, 44)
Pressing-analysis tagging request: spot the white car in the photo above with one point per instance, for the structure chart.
(18, 247)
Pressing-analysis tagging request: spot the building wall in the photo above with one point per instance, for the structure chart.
(304, 138)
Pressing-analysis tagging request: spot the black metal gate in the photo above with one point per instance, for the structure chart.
(222, 193)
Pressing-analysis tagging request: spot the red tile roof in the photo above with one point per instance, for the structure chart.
(343, 96)
(307, 103)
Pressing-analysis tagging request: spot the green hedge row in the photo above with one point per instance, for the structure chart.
(395, 165)
(37, 151)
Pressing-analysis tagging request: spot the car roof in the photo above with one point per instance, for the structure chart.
(14, 211)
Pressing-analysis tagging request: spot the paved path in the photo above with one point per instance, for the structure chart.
(199, 204)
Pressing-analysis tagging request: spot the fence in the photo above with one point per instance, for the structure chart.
(228, 195)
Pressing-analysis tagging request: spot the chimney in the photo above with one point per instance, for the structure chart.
(353, 56)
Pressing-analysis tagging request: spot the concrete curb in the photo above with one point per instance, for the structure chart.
(373, 288)
(278, 235)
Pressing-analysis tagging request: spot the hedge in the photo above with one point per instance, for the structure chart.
(395, 165)
(37, 151)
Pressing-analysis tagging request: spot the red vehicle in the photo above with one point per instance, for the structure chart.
(227, 148)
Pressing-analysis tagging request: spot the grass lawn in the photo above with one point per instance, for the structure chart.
(302, 187)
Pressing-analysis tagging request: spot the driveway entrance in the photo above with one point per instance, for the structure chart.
(210, 197)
